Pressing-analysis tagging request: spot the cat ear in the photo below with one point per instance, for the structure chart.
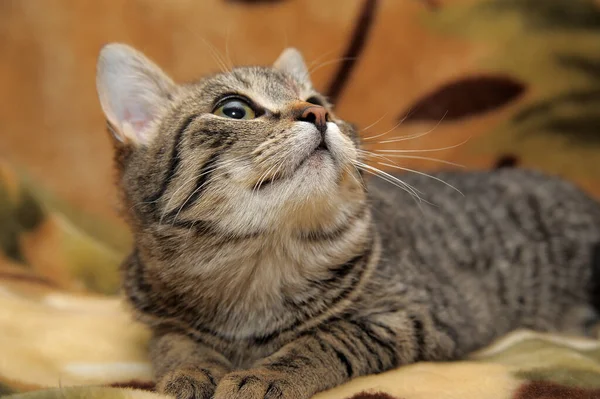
(292, 62)
(132, 91)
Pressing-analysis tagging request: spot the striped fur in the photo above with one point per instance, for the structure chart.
(266, 271)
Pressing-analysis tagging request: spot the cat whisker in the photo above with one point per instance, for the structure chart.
(279, 167)
(221, 165)
(262, 178)
(190, 229)
(374, 123)
(318, 59)
(350, 168)
(413, 136)
(194, 192)
(423, 174)
(217, 56)
(324, 64)
(419, 200)
(172, 196)
(374, 155)
(401, 138)
(140, 203)
(386, 132)
(286, 38)
(260, 182)
(412, 157)
(423, 150)
(230, 62)
(390, 179)
(429, 159)
(193, 178)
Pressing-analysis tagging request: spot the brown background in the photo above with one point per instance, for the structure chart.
(50, 119)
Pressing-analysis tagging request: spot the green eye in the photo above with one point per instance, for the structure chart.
(235, 109)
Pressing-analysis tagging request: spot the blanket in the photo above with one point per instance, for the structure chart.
(65, 331)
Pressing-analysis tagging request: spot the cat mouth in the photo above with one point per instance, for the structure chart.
(322, 145)
(321, 150)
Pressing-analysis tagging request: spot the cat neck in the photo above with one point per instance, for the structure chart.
(261, 283)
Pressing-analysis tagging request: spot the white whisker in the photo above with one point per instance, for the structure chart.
(176, 191)
(172, 196)
(372, 154)
(324, 64)
(414, 136)
(390, 178)
(348, 169)
(230, 62)
(216, 56)
(423, 174)
(319, 58)
(259, 182)
(417, 199)
(194, 192)
(374, 123)
(424, 150)
(413, 157)
(279, 167)
(401, 138)
(386, 132)
(193, 178)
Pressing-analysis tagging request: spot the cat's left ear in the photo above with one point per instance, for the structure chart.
(291, 62)
(133, 92)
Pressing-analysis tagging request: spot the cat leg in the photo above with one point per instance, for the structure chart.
(184, 368)
(329, 356)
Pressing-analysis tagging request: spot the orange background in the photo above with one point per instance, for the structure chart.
(51, 123)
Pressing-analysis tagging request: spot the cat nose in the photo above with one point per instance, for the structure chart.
(316, 115)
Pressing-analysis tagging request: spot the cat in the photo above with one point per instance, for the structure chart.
(267, 266)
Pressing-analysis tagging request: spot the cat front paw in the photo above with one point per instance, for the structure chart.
(258, 384)
(188, 384)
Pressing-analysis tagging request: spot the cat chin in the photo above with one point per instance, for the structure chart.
(321, 175)
(316, 162)
(318, 172)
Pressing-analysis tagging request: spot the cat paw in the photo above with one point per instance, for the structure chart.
(188, 384)
(257, 384)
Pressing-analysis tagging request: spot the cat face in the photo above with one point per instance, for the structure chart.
(241, 152)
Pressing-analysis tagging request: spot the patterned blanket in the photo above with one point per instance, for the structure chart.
(65, 333)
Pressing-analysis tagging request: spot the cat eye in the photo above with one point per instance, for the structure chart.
(315, 100)
(235, 108)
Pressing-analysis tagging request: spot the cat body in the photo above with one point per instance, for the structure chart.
(267, 268)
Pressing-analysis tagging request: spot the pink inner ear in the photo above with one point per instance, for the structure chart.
(138, 124)
(137, 121)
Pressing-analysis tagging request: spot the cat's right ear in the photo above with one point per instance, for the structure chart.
(133, 91)
(291, 62)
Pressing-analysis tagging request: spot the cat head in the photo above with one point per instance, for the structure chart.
(249, 150)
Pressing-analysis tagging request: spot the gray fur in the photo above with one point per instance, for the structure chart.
(268, 269)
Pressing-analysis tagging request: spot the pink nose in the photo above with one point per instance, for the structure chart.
(316, 115)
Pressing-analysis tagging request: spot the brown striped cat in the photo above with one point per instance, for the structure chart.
(267, 268)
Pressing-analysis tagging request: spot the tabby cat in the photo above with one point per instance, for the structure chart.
(267, 268)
